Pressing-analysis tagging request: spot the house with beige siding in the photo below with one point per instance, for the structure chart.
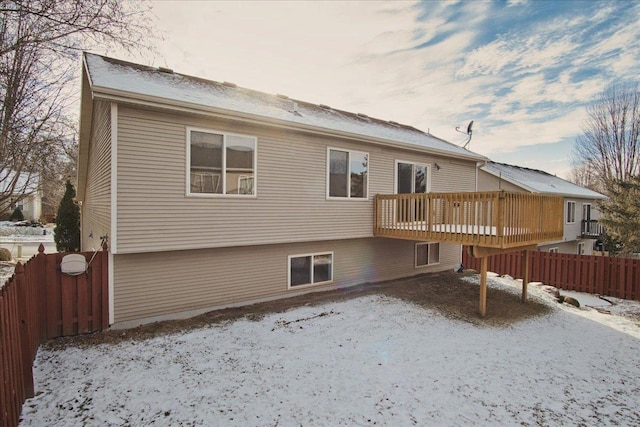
(213, 195)
(580, 223)
(21, 191)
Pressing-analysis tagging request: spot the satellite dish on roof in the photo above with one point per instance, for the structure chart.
(469, 133)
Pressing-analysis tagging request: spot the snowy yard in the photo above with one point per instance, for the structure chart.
(371, 360)
(23, 243)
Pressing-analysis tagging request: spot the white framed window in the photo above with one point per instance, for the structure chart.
(571, 212)
(553, 250)
(310, 269)
(586, 211)
(220, 163)
(347, 174)
(580, 248)
(427, 253)
(412, 177)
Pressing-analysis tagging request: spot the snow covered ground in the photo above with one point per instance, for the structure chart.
(23, 243)
(372, 360)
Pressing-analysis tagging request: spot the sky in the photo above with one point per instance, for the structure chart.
(524, 71)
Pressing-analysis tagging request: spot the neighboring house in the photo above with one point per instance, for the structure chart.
(213, 195)
(581, 228)
(26, 194)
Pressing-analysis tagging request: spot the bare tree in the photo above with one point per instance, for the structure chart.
(40, 46)
(584, 176)
(610, 145)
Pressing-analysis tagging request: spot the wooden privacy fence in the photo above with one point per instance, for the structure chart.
(37, 303)
(616, 277)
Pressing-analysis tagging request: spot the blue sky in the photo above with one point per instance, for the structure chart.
(524, 71)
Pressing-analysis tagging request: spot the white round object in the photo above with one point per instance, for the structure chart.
(73, 264)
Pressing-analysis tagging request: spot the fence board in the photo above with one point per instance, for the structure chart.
(616, 277)
(54, 308)
(37, 303)
(68, 299)
(83, 303)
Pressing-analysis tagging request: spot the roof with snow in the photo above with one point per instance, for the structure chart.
(537, 181)
(25, 182)
(108, 75)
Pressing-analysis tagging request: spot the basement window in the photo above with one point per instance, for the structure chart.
(427, 254)
(310, 269)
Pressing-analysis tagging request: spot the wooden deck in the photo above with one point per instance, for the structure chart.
(494, 219)
(489, 222)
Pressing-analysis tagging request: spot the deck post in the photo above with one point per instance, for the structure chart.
(525, 274)
(483, 286)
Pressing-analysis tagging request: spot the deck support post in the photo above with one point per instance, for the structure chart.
(525, 274)
(483, 286)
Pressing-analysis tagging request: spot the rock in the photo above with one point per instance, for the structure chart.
(565, 299)
(574, 302)
(5, 254)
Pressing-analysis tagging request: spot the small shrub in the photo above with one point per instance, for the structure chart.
(16, 215)
(5, 254)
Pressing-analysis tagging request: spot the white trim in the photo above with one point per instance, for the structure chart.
(289, 287)
(223, 178)
(113, 248)
(113, 238)
(554, 250)
(413, 184)
(415, 254)
(111, 288)
(328, 174)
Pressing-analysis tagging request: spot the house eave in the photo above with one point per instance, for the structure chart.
(532, 190)
(136, 99)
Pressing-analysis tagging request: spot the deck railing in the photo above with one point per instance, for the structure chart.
(591, 229)
(494, 219)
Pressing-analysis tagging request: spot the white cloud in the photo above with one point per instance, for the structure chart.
(432, 65)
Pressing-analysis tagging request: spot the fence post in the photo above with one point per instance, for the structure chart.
(41, 291)
(25, 336)
(525, 274)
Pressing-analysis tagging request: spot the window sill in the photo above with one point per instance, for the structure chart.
(309, 285)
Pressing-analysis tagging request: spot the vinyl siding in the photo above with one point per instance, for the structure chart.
(96, 207)
(569, 247)
(151, 285)
(489, 182)
(154, 213)
(574, 230)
